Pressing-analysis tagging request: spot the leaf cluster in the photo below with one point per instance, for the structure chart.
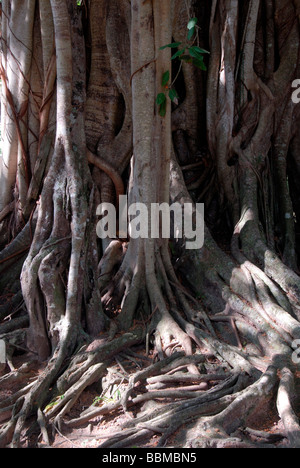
(187, 52)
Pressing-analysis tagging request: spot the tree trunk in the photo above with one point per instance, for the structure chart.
(83, 124)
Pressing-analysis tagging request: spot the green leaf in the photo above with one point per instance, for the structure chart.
(194, 53)
(173, 45)
(191, 27)
(197, 59)
(160, 99)
(201, 51)
(191, 33)
(165, 78)
(178, 54)
(53, 403)
(173, 96)
(199, 64)
(163, 108)
(192, 23)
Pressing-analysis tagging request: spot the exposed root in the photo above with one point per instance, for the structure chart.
(219, 400)
(286, 412)
(37, 393)
(8, 209)
(111, 259)
(109, 170)
(170, 417)
(216, 386)
(218, 348)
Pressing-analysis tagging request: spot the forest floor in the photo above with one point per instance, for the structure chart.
(102, 428)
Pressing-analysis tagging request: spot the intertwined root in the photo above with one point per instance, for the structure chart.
(215, 405)
(200, 375)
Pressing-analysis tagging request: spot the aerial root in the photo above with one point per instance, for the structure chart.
(112, 258)
(194, 313)
(19, 246)
(286, 393)
(8, 209)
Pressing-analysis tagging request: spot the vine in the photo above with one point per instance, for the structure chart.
(188, 52)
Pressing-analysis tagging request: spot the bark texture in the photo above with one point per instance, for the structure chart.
(212, 333)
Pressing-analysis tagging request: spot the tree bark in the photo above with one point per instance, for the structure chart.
(81, 126)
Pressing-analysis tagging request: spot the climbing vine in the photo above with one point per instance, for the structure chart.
(189, 52)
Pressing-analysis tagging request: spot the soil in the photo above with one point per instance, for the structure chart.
(102, 428)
